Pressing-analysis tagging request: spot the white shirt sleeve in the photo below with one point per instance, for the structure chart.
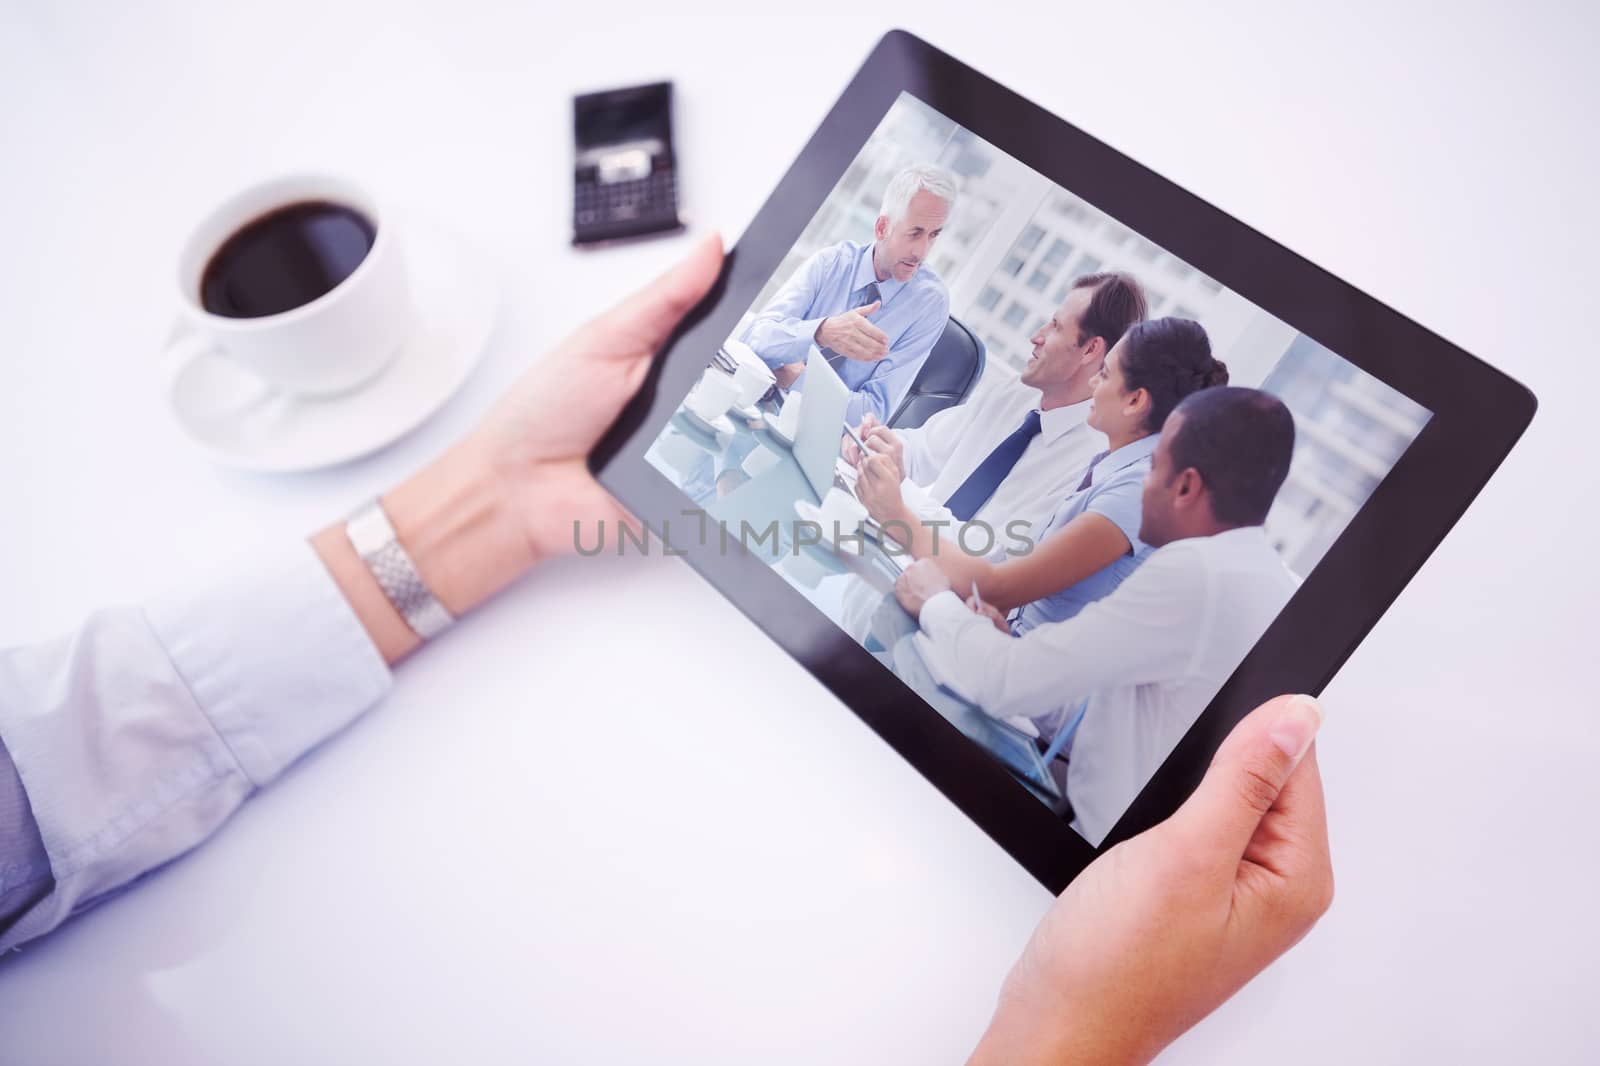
(138, 735)
(1145, 631)
(929, 447)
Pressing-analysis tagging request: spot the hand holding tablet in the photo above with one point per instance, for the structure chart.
(1172, 920)
(1232, 880)
(1234, 877)
(1232, 461)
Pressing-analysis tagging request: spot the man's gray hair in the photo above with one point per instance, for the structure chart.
(912, 180)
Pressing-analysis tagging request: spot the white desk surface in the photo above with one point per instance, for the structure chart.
(534, 852)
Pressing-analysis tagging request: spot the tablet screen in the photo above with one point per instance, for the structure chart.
(1094, 474)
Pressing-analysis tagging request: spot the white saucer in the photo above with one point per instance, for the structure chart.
(238, 422)
(721, 424)
(749, 414)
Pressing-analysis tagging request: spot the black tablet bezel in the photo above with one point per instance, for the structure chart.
(1477, 415)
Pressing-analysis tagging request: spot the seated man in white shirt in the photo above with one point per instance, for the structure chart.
(1120, 683)
(874, 309)
(1014, 452)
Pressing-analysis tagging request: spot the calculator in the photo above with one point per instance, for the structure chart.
(625, 182)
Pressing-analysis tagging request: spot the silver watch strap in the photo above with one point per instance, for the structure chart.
(373, 538)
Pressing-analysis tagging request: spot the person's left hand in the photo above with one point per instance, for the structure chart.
(920, 582)
(1164, 927)
(538, 436)
(878, 486)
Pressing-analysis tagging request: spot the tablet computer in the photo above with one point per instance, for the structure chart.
(936, 239)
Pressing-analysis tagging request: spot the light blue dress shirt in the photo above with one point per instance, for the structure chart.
(1115, 492)
(913, 314)
(136, 736)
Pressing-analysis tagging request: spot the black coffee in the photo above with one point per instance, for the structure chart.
(284, 259)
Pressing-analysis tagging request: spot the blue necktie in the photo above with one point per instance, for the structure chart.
(863, 296)
(981, 483)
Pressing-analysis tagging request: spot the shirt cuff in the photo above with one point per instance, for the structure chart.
(943, 615)
(275, 657)
(802, 335)
(25, 876)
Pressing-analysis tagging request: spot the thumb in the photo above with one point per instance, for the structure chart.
(650, 314)
(1248, 773)
(869, 308)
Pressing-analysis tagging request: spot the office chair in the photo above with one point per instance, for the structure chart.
(946, 378)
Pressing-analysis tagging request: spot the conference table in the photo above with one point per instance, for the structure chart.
(744, 475)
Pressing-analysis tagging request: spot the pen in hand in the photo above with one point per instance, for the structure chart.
(859, 443)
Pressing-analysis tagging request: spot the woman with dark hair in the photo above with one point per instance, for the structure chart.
(1091, 543)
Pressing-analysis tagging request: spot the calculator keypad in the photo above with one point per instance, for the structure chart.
(625, 208)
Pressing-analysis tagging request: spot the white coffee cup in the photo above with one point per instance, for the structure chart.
(712, 397)
(741, 352)
(753, 379)
(329, 345)
(842, 510)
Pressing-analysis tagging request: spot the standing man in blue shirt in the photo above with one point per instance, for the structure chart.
(875, 310)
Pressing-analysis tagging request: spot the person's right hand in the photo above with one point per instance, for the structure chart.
(919, 583)
(991, 612)
(517, 489)
(853, 337)
(884, 441)
(1163, 928)
(878, 486)
(879, 439)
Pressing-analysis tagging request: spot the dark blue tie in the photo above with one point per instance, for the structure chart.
(981, 483)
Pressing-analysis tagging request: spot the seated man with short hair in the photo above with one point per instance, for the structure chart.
(1012, 454)
(1120, 683)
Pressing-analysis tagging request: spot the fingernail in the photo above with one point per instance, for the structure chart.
(1297, 726)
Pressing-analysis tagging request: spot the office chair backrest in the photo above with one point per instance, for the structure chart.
(946, 378)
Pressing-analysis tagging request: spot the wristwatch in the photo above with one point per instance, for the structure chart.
(373, 537)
